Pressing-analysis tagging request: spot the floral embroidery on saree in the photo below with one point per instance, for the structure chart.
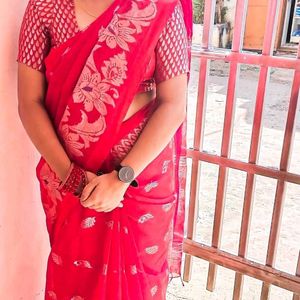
(79, 136)
(51, 183)
(88, 222)
(92, 92)
(145, 218)
(150, 186)
(133, 270)
(151, 250)
(96, 88)
(56, 258)
(83, 264)
(120, 150)
(115, 69)
(77, 298)
(165, 166)
(119, 32)
(154, 290)
(52, 295)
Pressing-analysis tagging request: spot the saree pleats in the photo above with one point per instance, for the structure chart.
(121, 254)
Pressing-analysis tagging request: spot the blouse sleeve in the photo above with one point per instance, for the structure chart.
(172, 48)
(34, 40)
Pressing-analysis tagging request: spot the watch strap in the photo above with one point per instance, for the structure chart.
(133, 183)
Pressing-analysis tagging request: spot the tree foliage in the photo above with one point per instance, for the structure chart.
(198, 12)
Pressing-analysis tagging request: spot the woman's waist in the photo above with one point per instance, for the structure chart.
(140, 101)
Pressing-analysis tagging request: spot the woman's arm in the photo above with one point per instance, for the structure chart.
(34, 46)
(104, 193)
(36, 121)
(162, 125)
(172, 66)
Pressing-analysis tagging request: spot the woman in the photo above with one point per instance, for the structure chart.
(102, 95)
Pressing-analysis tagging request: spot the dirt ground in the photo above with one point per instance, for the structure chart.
(274, 117)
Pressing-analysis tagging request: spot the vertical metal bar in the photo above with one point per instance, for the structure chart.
(237, 42)
(195, 172)
(199, 129)
(281, 184)
(268, 46)
(208, 22)
(297, 296)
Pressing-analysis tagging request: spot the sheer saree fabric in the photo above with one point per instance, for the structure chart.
(128, 253)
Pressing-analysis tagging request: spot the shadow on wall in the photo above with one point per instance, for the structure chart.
(24, 242)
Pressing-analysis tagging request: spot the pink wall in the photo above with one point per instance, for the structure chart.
(23, 237)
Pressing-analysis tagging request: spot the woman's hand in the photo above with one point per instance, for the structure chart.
(90, 176)
(103, 193)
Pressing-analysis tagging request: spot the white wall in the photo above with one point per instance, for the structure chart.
(23, 238)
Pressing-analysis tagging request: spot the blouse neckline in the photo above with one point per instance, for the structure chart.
(75, 20)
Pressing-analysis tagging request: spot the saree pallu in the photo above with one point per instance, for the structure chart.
(130, 252)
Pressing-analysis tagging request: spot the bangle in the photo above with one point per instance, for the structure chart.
(75, 182)
(68, 174)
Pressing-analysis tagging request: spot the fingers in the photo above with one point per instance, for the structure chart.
(90, 176)
(108, 208)
(92, 199)
(89, 188)
(89, 203)
(96, 196)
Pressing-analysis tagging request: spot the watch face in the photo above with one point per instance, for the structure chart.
(126, 174)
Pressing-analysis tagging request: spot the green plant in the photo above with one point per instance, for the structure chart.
(220, 12)
(198, 11)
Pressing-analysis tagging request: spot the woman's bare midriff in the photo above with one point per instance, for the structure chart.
(138, 102)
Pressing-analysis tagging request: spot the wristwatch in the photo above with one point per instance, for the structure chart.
(126, 174)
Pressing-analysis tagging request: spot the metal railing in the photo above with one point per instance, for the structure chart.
(239, 263)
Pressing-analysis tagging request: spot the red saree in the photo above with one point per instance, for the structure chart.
(130, 252)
